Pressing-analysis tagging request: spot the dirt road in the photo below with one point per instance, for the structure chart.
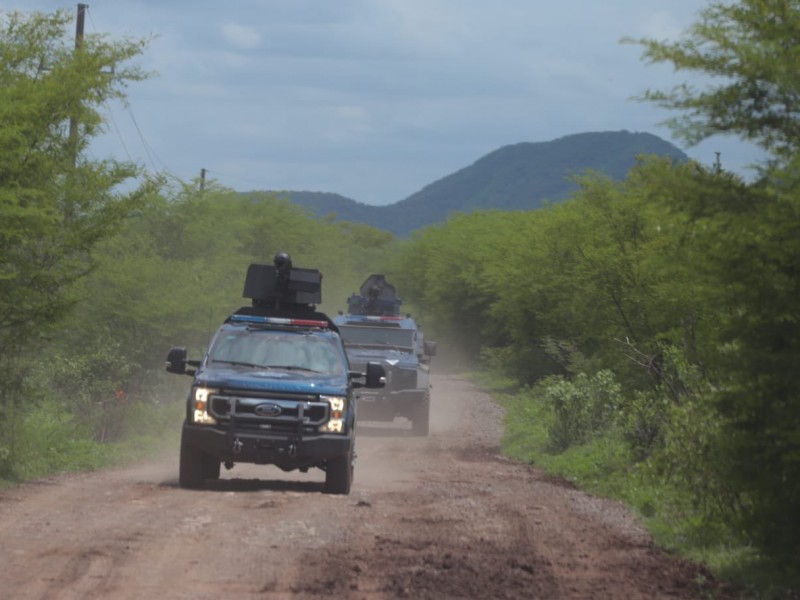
(438, 517)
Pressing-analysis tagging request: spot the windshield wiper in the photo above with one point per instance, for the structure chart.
(291, 368)
(236, 363)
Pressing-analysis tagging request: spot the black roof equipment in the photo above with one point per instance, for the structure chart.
(378, 297)
(282, 285)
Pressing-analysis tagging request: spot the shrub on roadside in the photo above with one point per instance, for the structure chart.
(47, 439)
(582, 407)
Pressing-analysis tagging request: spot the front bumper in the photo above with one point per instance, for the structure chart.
(263, 448)
(385, 405)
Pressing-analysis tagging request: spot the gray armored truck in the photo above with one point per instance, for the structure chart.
(373, 330)
(275, 386)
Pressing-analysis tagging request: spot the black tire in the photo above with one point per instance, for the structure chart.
(420, 420)
(193, 467)
(339, 474)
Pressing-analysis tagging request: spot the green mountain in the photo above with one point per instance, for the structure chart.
(517, 177)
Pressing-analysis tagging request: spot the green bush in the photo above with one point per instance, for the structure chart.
(693, 459)
(92, 385)
(48, 439)
(582, 407)
(45, 439)
(641, 419)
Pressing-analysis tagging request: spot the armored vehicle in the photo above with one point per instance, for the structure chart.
(373, 330)
(275, 386)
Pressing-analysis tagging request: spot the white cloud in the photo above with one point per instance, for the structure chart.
(241, 36)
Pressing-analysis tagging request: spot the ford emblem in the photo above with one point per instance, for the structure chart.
(267, 410)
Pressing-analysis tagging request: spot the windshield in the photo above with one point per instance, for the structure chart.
(381, 336)
(259, 348)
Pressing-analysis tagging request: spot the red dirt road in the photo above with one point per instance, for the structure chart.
(428, 518)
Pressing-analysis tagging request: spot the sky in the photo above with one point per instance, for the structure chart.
(375, 99)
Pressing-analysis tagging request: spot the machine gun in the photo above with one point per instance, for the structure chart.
(282, 286)
(378, 297)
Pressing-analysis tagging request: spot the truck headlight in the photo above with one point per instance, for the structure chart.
(200, 398)
(338, 406)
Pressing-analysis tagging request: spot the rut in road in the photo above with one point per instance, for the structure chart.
(443, 516)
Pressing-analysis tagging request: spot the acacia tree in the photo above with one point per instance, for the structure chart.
(751, 242)
(752, 48)
(55, 204)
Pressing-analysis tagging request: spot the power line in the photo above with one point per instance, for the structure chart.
(119, 133)
(152, 155)
(145, 145)
(148, 149)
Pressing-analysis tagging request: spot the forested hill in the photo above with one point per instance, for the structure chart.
(518, 176)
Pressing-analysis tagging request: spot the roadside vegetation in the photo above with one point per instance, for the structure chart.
(644, 335)
(97, 284)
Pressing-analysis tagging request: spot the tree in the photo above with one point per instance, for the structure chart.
(752, 49)
(55, 204)
(749, 239)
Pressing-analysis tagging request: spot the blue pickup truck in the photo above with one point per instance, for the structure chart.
(275, 386)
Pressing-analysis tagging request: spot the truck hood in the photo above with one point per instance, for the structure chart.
(272, 380)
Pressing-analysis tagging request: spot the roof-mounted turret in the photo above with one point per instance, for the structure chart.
(378, 297)
(282, 286)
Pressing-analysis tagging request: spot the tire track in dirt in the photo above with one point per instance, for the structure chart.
(472, 524)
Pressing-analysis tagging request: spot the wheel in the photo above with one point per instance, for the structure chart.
(193, 467)
(339, 474)
(420, 420)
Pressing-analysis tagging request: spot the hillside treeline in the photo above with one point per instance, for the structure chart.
(521, 176)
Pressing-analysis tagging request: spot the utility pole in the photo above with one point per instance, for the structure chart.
(73, 122)
(202, 179)
(79, 25)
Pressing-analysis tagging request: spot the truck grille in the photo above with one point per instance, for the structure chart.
(396, 378)
(269, 411)
(403, 379)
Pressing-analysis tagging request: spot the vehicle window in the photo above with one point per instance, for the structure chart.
(264, 348)
(358, 335)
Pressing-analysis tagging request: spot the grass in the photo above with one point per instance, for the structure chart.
(45, 441)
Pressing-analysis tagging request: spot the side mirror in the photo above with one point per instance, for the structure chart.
(429, 348)
(176, 360)
(376, 375)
